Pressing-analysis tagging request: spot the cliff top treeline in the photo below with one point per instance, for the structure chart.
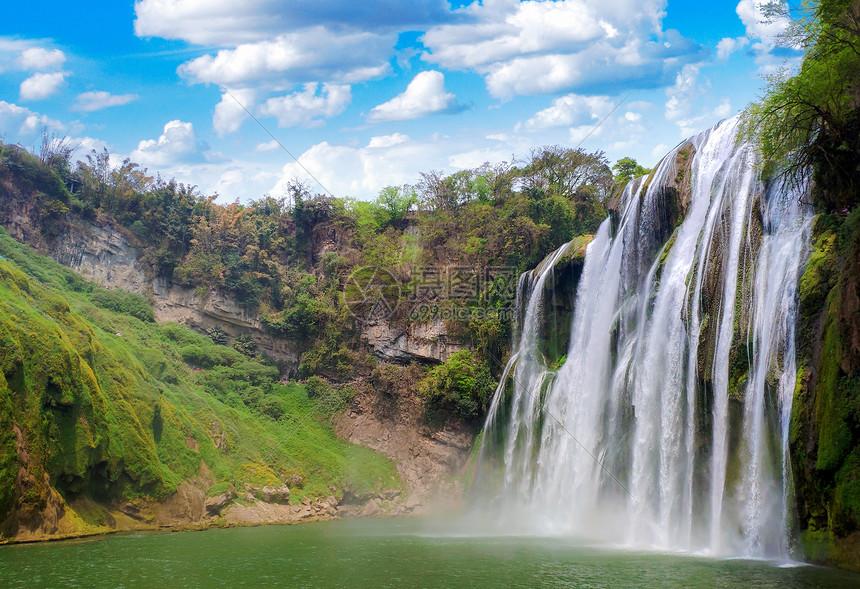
(287, 258)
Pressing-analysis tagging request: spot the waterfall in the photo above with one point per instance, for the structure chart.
(666, 427)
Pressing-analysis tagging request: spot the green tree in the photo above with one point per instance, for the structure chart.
(809, 123)
(628, 168)
(394, 203)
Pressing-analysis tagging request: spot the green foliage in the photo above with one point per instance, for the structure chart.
(124, 302)
(628, 168)
(113, 418)
(393, 204)
(810, 121)
(245, 344)
(461, 386)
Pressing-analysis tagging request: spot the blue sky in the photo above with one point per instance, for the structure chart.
(371, 94)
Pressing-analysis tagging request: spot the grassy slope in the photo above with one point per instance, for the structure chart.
(118, 416)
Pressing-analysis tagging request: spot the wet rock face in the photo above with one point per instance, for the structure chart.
(415, 342)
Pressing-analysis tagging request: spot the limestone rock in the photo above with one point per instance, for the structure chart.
(279, 495)
(214, 505)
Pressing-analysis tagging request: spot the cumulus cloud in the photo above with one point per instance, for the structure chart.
(308, 107)
(39, 58)
(92, 101)
(229, 113)
(225, 22)
(536, 47)
(388, 140)
(41, 86)
(267, 146)
(364, 171)
(729, 45)
(22, 121)
(758, 26)
(679, 106)
(681, 94)
(572, 109)
(425, 95)
(395, 159)
(314, 54)
(28, 55)
(177, 144)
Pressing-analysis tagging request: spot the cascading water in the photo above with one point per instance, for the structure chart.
(667, 425)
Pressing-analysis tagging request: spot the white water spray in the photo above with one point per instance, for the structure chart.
(667, 425)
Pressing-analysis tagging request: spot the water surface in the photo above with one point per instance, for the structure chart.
(377, 553)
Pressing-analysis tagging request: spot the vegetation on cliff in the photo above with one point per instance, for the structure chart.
(288, 259)
(99, 403)
(808, 126)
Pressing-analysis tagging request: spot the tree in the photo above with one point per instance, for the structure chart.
(628, 168)
(808, 124)
(555, 170)
(394, 203)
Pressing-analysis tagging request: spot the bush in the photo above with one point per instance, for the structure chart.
(122, 301)
(461, 386)
(210, 356)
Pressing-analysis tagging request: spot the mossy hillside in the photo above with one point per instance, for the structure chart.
(825, 429)
(108, 406)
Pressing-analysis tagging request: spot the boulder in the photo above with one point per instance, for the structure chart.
(214, 505)
(276, 495)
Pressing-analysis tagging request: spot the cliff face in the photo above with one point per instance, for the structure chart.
(825, 429)
(105, 256)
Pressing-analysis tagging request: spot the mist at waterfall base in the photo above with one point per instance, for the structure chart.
(639, 439)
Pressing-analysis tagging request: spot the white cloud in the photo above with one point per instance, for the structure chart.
(177, 144)
(659, 151)
(41, 86)
(572, 109)
(534, 47)
(388, 140)
(583, 132)
(729, 45)
(21, 121)
(632, 117)
(92, 101)
(38, 58)
(229, 112)
(425, 95)
(267, 146)
(226, 22)
(394, 159)
(680, 105)
(757, 25)
(312, 54)
(724, 109)
(501, 30)
(307, 107)
(680, 95)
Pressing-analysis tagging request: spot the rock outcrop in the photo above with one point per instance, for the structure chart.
(105, 256)
(430, 461)
(414, 342)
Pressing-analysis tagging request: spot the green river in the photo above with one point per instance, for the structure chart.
(376, 553)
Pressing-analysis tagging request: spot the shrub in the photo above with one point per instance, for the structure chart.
(122, 301)
(461, 386)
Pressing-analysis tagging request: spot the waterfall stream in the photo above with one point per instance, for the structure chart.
(666, 427)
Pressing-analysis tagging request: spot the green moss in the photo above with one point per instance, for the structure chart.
(110, 416)
(831, 409)
(846, 515)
